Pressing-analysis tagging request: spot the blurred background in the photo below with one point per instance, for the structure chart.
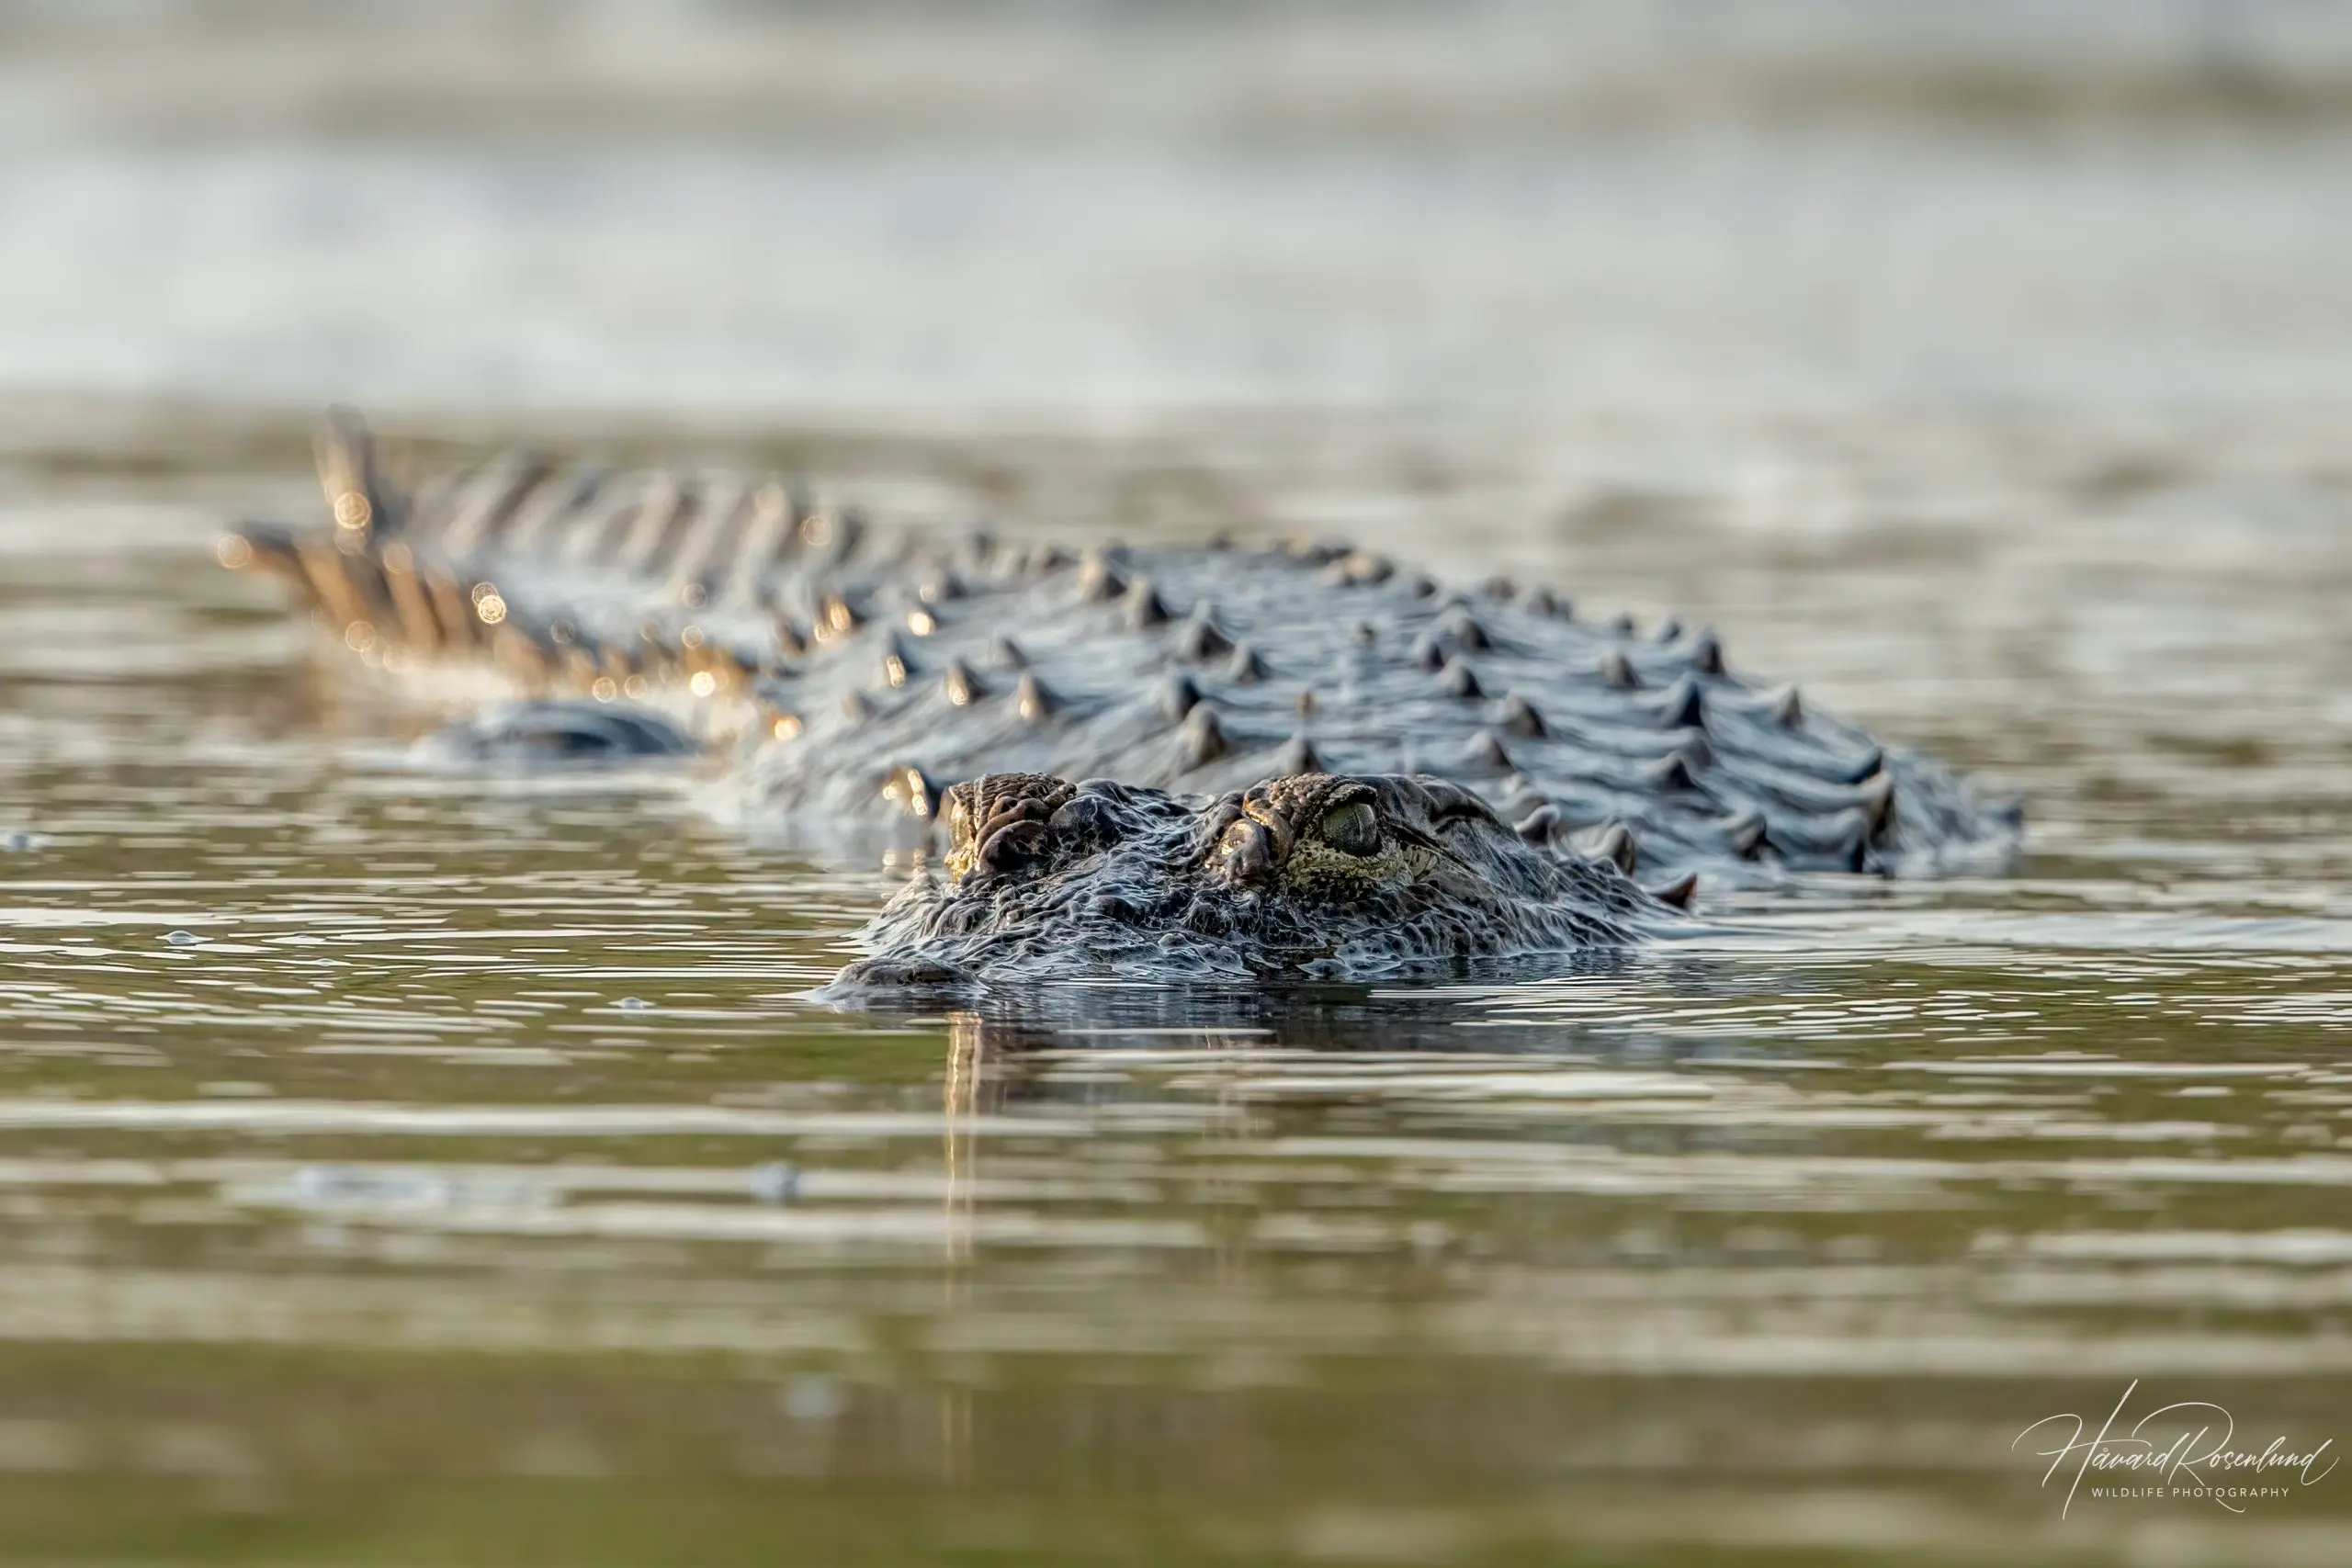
(1988, 367)
(1095, 213)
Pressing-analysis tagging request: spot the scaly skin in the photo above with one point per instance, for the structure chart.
(1309, 875)
(875, 668)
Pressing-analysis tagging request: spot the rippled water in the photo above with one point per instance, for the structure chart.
(397, 1166)
(386, 1157)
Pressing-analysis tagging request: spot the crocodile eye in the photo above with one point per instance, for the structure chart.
(1352, 829)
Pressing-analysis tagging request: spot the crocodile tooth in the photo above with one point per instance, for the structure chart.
(1787, 710)
(1544, 602)
(1707, 654)
(1459, 679)
(1678, 892)
(939, 586)
(1144, 605)
(1616, 845)
(790, 640)
(1297, 756)
(963, 688)
(1421, 585)
(1540, 824)
(1428, 653)
(1204, 736)
(1668, 629)
(1619, 625)
(1519, 717)
(1500, 587)
(1245, 666)
(1617, 672)
(1034, 700)
(1005, 654)
(1178, 694)
(1685, 706)
(857, 707)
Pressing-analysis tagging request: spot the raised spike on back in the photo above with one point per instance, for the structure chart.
(1550, 712)
(1203, 735)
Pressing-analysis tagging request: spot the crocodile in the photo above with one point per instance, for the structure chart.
(1164, 760)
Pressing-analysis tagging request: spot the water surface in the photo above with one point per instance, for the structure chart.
(400, 1168)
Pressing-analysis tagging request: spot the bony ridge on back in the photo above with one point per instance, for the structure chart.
(866, 673)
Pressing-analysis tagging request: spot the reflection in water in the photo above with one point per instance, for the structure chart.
(1826, 1200)
(350, 1211)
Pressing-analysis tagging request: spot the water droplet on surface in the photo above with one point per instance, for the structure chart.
(813, 1400)
(776, 1183)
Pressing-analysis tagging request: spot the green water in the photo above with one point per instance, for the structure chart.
(473, 1184)
(478, 1185)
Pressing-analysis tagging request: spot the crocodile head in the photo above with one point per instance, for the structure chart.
(1313, 873)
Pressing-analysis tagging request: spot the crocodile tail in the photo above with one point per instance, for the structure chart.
(368, 510)
(576, 579)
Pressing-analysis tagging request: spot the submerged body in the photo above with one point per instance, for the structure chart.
(1307, 873)
(865, 672)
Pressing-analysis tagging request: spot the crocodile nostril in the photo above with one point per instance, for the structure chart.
(1025, 810)
(1249, 851)
(1011, 847)
(1087, 820)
